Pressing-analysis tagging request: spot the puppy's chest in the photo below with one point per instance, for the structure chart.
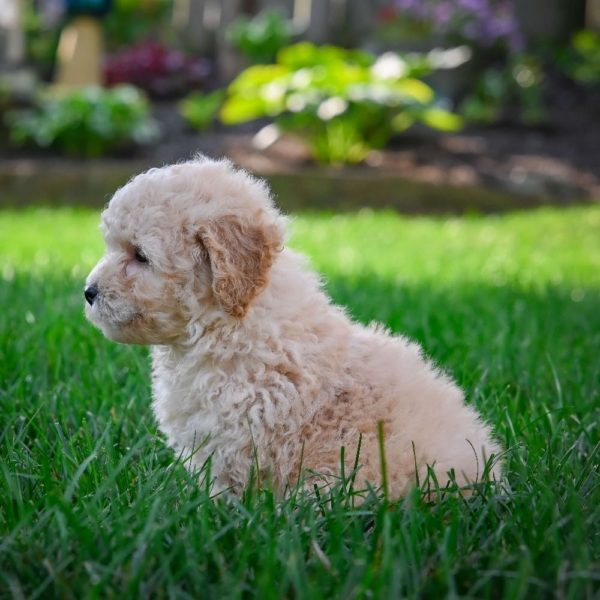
(216, 405)
(196, 403)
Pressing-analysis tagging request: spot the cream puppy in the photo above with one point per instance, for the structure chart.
(252, 363)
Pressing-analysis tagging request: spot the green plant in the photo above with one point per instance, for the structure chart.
(131, 21)
(342, 102)
(260, 38)
(87, 122)
(199, 109)
(41, 39)
(513, 92)
(581, 60)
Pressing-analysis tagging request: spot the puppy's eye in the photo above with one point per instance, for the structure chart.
(140, 256)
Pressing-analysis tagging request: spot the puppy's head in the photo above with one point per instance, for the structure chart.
(182, 242)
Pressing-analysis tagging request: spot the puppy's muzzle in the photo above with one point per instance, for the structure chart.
(90, 293)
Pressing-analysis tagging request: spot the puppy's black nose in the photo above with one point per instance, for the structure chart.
(90, 294)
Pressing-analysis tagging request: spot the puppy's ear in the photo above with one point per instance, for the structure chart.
(240, 255)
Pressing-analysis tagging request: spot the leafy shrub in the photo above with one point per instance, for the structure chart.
(130, 21)
(581, 60)
(510, 93)
(159, 71)
(260, 38)
(342, 102)
(87, 122)
(41, 39)
(199, 109)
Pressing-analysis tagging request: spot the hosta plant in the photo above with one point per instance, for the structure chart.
(344, 103)
(87, 122)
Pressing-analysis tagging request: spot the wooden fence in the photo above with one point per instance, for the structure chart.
(201, 24)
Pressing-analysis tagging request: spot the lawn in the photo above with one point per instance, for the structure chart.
(92, 503)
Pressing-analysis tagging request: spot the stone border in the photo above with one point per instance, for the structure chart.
(27, 182)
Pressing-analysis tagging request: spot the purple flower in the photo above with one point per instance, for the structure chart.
(482, 21)
(472, 5)
(443, 12)
(407, 4)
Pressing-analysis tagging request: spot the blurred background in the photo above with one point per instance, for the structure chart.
(446, 104)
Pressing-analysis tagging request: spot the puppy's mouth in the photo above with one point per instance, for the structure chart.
(105, 315)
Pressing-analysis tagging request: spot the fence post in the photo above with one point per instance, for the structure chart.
(12, 40)
(592, 15)
(228, 61)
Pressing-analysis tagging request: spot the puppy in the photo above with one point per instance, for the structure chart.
(252, 363)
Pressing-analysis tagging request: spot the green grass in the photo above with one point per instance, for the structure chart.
(92, 504)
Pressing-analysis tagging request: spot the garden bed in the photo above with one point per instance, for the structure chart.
(484, 169)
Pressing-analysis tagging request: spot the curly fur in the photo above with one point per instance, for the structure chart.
(240, 256)
(252, 363)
